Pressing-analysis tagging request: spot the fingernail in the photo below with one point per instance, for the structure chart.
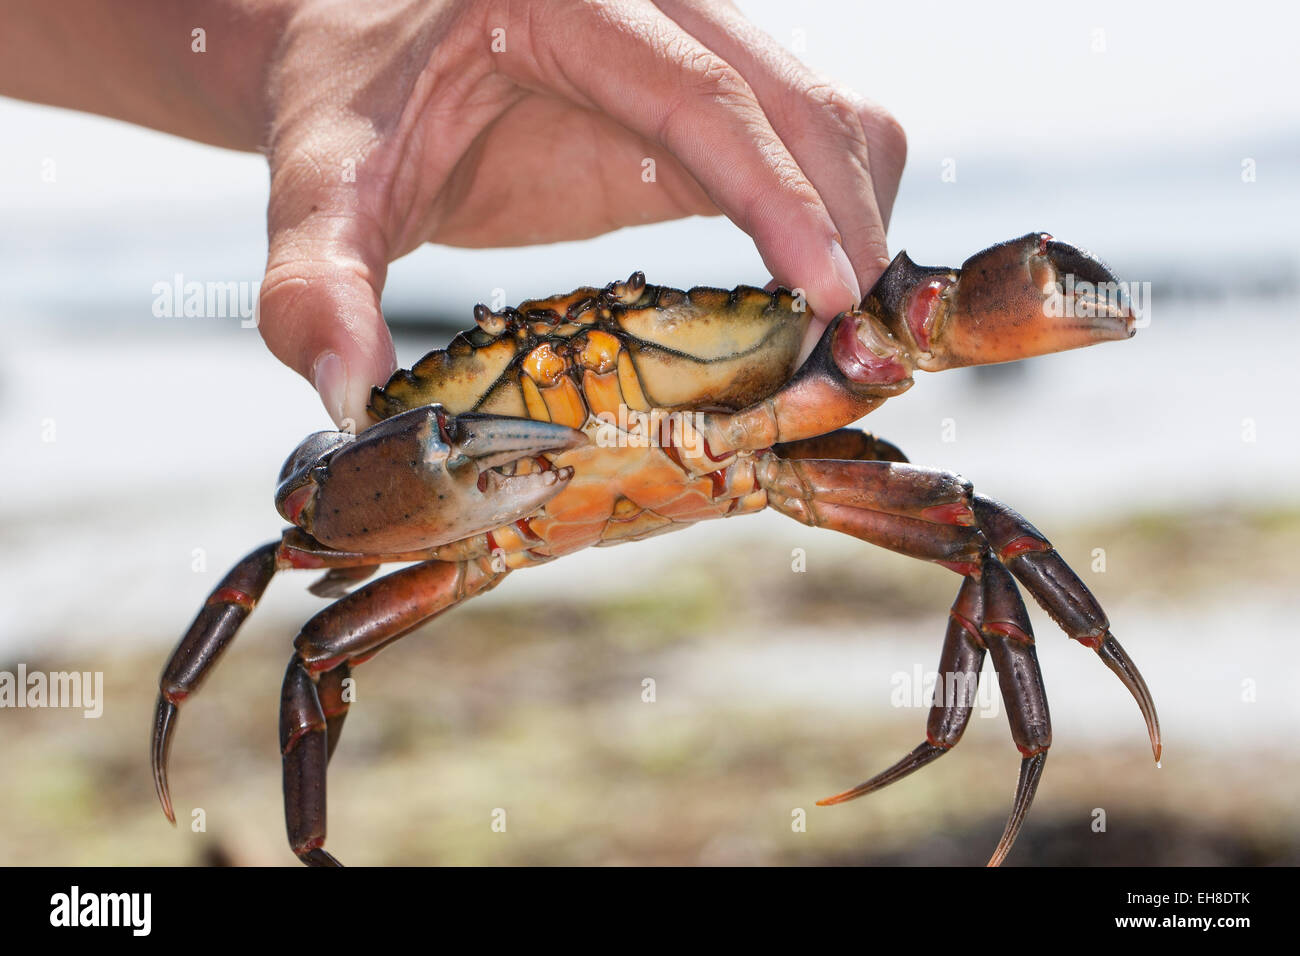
(330, 377)
(844, 271)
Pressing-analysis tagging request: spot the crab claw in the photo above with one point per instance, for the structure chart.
(422, 479)
(1025, 297)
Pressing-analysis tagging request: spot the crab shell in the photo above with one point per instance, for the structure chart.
(578, 378)
(634, 345)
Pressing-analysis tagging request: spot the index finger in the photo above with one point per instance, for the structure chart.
(662, 83)
(851, 151)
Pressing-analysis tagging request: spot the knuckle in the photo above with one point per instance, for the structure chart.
(837, 110)
(707, 74)
(884, 131)
(703, 76)
(866, 232)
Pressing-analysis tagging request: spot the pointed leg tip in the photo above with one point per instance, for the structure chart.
(861, 790)
(1031, 771)
(164, 794)
(1153, 727)
(164, 725)
(317, 856)
(915, 760)
(1116, 658)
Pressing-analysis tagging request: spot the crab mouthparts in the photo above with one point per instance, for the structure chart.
(507, 479)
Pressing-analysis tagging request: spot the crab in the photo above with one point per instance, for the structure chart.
(611, 415)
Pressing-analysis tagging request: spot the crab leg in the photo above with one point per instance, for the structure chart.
(935, 516)
(348, 632)
(330, 688)
(354, 628)
(919, 512)
(311, 720)
(940, 532)
(955, 547)
(954, 693)
(1010, 639)
(304, 742)
(987, 615)
(1032, 559)
(336, 582)
(219, 620)
(844, 444)
(906, 490)
(198, 651)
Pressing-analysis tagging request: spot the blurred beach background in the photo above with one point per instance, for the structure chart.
(140, 452)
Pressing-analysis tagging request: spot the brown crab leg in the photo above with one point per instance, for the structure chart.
(1015, 542)
(355, 627)
(216, 625)
(211, 633)
(1010, 639)
(299, 550)
(1032, 559)
(909, 491)
(936, 525)
(988, 614)
(348, 632)
(331, 690)
(337, 582)
(843, 444)
(953, 546)
(304, 742)
(954, 693)
(957, 547)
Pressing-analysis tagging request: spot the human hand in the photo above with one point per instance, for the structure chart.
(493, 123)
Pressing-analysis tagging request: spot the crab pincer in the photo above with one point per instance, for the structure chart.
(420, 479)
(1014, 300)
(415, 481)
(1017, 299)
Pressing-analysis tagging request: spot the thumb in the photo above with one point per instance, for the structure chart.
(319, 307)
